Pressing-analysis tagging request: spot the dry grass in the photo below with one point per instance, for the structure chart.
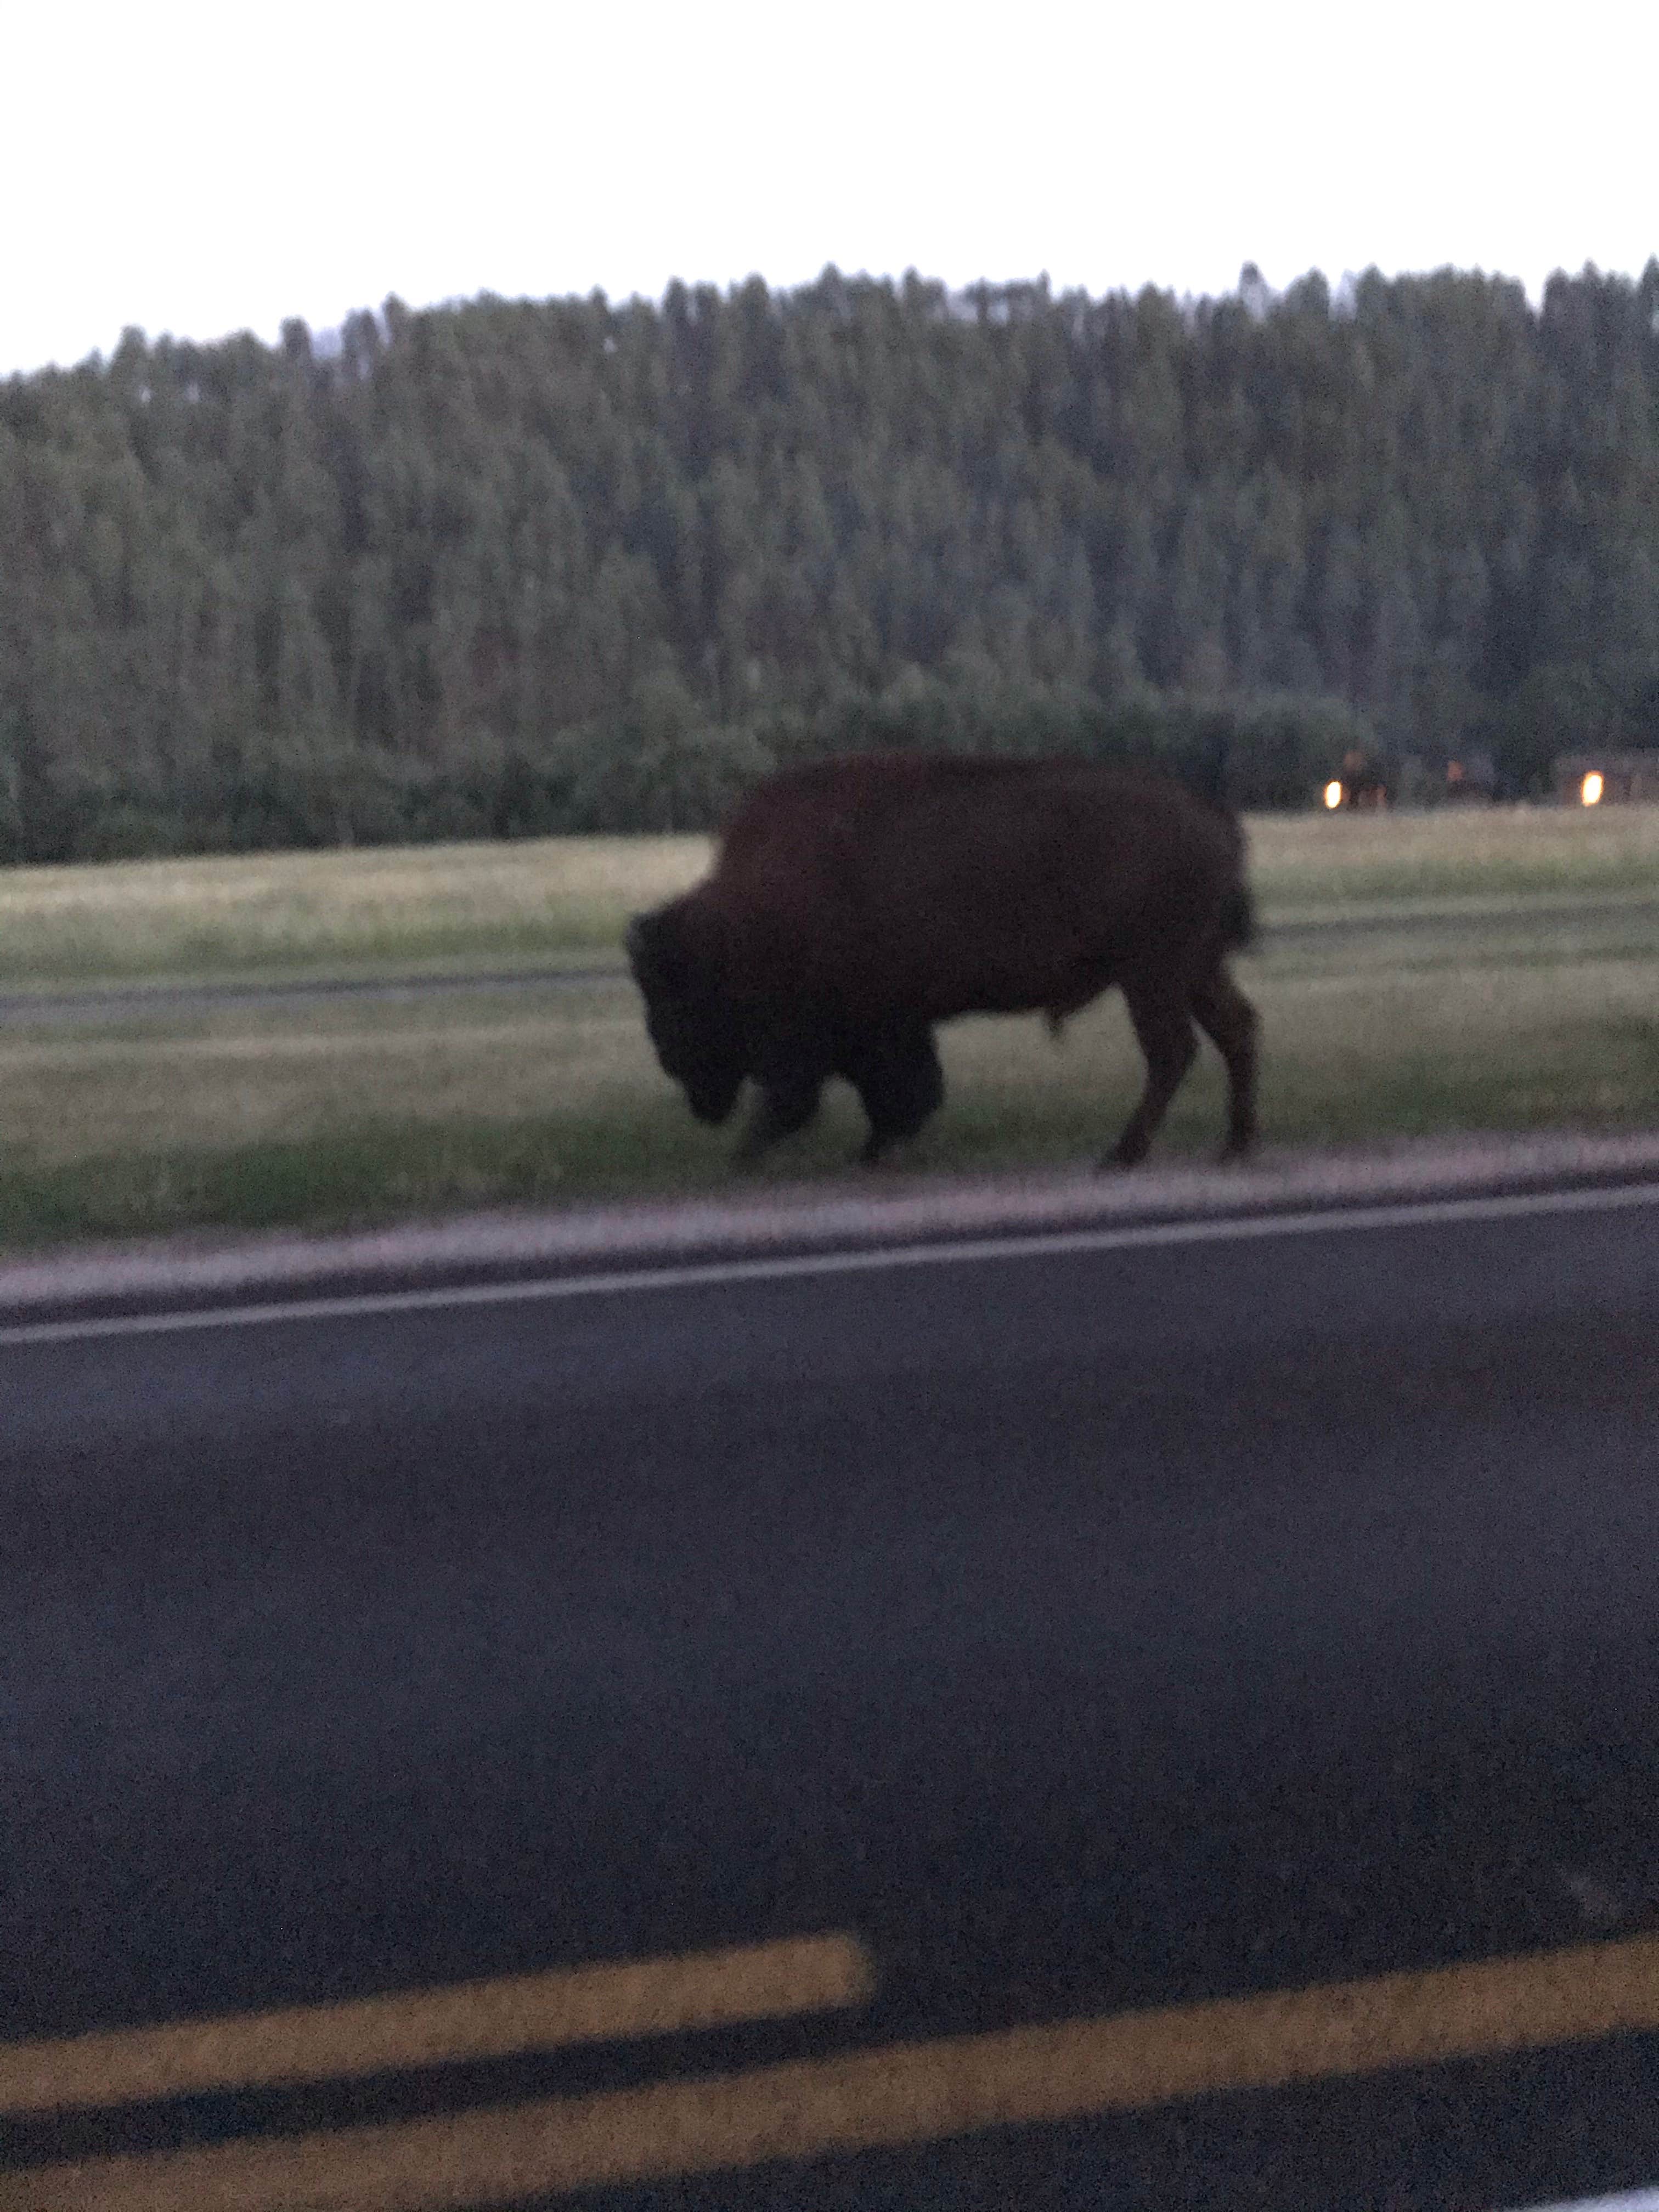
(444, 908)
(432, 908)
(1302, 861)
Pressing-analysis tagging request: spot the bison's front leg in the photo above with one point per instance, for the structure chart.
(897, 1076)
(783, 1105)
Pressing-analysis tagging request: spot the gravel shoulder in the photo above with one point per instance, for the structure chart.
(209, 1269)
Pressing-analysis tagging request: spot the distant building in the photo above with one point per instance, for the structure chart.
(1361, 782)
(1466, 777)
(1471, 778)
(1606, 778)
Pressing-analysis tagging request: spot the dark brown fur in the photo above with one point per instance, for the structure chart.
(856, 903)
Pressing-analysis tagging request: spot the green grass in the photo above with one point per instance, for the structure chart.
(1420, 999)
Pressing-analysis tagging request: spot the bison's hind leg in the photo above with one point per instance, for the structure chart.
(1227, 1016)
(784, 1105)
(1164, 1029)
(897, 1076)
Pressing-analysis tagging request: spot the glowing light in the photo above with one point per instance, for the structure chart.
(1590, 790)
(1334, 796)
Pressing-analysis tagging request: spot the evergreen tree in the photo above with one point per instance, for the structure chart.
(514, 564)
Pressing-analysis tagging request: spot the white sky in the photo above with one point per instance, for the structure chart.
(203, 169)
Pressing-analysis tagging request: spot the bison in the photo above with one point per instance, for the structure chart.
(856, 903)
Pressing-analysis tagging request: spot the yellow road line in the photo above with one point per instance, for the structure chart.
(906, 2093)
(426, 2027)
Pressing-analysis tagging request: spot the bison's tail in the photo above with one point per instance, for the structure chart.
(1237, 917)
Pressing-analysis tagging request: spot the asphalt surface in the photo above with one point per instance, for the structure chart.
(1084, 1630)
(127, 1001)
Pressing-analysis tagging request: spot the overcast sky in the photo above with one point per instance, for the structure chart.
(199, 168)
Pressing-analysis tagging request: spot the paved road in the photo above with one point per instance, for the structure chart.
(125, 1002)
(1130, 1625)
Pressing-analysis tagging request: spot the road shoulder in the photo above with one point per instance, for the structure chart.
(806, 1218)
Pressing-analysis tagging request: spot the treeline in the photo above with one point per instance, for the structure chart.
(502, 568)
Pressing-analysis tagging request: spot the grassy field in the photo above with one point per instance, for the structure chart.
(1332, 863)
(444, 909)
(1461, 971)
(429, 908)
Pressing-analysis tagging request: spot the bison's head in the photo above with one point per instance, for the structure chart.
(687, 1013)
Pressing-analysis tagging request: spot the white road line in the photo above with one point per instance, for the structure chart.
(968, 1250)
(1645, 2200)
